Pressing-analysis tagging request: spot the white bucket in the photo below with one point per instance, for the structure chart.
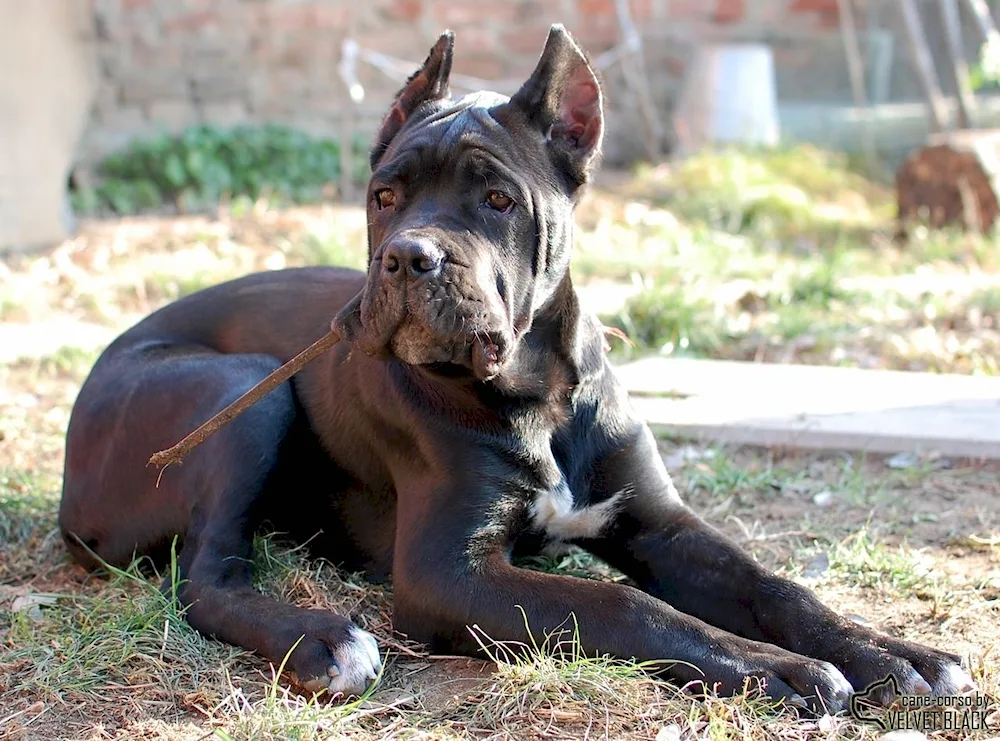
(729, 97)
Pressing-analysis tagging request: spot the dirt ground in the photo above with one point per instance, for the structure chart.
(912, 547)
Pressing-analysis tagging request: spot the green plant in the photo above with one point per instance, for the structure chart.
(666, 319)
(867, 563)
(796, 197)
(203, 164)
(721, 476)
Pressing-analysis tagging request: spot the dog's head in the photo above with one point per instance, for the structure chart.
(470, 210)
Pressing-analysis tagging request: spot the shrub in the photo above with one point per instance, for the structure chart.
(195, 169)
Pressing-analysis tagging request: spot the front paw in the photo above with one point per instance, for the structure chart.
(867, 658)
(335, 656)
(783, 676)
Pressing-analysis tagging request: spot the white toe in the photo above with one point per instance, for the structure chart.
(359, 662)
(955, 680)
(842, 688)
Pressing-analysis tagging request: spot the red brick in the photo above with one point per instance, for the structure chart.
(813, 6)
(288, 17)
(404, 10)
(329, 17)
(454, 13)
(642, 10)
(483, 66)
(596, 33)
(687, 10)
(480, 41)
(596, 8)
(399, 41)
(729, 11)
(151, 57)
(190, 22)
(827, 11)
(525, 40)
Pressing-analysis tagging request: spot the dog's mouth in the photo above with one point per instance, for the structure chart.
(450, 336)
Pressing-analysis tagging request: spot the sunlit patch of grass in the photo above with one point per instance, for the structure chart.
(172, 286)
(330, 249)
(855, 485)
(27, 519)
(282, 714)
(551, 683)
(863, 561)
(950, 245)
(776, 195)
(670, 321)
(68, 360)
(719, 476)
(125, 634)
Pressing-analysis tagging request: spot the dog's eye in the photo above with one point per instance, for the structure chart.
(385, 198)
(499, 201)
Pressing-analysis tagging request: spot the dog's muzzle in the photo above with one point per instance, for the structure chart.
(422, 307)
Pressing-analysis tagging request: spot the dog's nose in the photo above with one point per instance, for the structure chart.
(411, 258)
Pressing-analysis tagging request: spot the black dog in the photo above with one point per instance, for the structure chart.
(469, 416)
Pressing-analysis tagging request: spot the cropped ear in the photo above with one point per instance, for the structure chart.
(563, 98)
(428, 83)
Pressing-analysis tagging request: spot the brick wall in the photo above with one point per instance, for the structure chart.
(171, 63)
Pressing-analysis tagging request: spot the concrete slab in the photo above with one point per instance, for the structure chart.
(818, 407)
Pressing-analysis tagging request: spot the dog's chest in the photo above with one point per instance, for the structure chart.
(555, 512)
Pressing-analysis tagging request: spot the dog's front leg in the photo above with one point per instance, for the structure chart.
(675, 555)
(451, 572)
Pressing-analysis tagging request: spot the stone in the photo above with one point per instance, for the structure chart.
(124, 118)
(146, 86)
(172, 115)
(219, 84)
(224, 114)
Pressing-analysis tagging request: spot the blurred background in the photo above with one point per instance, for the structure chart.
(757, 158)
(90, 79)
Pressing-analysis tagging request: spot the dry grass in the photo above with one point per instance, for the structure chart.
(915, 552)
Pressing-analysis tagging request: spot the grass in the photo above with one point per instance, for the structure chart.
(766, 256)
(720, 476)
(788, 256)
(111, 642)
(864, 562)
(127, 634)
(667, 319)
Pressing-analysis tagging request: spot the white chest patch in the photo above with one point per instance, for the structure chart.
(553, 511)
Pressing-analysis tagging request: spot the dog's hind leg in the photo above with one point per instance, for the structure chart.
(215, 500)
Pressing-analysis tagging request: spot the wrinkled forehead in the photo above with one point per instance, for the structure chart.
(458, 134)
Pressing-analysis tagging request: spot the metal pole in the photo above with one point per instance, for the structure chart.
(924, 63)
(855, 67)
(952, 26)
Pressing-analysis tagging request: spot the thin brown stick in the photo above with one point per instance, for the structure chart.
(178, 452)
